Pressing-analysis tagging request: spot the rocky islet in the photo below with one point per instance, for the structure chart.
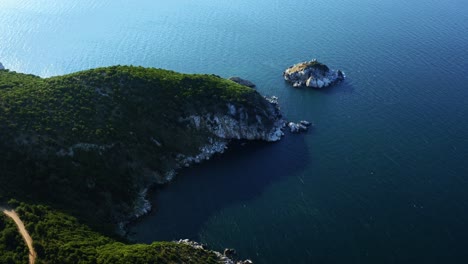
(312, 74)
(299, 127)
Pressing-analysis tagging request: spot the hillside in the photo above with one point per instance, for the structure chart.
(94, 140)
(60, 238)
(91, 143)
(12, 247)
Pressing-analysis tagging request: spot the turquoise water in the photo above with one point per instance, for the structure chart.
(383, 176)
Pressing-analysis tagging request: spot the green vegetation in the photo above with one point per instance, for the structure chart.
(84, 144)
(309, 64)
(60, 238)
(12, 247)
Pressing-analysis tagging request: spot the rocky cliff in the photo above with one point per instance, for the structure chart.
(220, 128)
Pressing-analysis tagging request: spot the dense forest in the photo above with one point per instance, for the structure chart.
(86, 143)
(12, 248)
(60, 238)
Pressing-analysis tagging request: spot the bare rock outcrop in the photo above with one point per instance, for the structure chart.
(228, 257)
(312, 74)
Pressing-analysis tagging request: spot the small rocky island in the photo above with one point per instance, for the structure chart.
(302, 126)
(312, 74)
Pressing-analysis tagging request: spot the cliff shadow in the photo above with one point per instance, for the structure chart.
(181, 208)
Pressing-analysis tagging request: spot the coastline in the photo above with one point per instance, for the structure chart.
(226, 135)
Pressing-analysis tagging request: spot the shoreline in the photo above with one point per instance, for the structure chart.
(222, 141)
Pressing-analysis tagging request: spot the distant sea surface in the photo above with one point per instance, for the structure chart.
(381, 178)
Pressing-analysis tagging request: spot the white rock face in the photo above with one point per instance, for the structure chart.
(222, 258)
(234, 124)
(1, 66)
(238, 124)
(206, 152)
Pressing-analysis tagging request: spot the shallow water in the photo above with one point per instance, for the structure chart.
(382, 178)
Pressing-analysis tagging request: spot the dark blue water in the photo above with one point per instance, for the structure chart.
(383, 177)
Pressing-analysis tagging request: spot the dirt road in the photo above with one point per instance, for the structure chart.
(24, 233)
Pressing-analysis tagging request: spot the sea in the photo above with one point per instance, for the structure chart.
(382, 177)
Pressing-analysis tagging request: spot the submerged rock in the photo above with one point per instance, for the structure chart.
(312, 74)
(242, 82)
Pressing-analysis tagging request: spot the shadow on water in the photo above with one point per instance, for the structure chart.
(181, 208)
(339, 88)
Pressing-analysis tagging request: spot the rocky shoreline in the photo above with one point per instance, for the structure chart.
(242, 81)
(232, 125)
(227, 257)
(224, 128)
(312, 74)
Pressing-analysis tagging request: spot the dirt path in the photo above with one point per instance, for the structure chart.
(24, 233)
